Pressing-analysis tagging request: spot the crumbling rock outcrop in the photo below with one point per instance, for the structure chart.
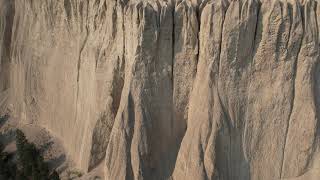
(169, 89)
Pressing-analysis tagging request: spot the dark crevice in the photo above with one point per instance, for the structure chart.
(173, 51)
(256, 29)
(104, 124)
(317, 91)
(79, 65)
(130, 134)
(198, 45)
(9, 10)
(68, 9)
(7, 22)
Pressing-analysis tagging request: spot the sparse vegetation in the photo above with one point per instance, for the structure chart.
(29, 165)
(3, 119)
(73, 174)
(7, 168)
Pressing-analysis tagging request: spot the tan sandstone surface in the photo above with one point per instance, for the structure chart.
(169, 89)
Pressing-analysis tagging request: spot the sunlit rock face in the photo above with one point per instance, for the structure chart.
(165, 89)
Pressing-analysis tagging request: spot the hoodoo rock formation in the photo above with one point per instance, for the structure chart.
(169, 89)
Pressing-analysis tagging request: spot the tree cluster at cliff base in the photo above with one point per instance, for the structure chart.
(29, 165)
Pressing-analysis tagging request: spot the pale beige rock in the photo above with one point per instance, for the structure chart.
(55, 73)
(270, 90)
(191, 162)
(236, 58)
(143, 144)
(302, 133)
(169, 89)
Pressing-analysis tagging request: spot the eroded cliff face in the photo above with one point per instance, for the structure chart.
(164, 89)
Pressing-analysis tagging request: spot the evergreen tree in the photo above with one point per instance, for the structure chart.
(7, 168)
(24, 152)
(30, 163)
(30, 160)
(2, 162)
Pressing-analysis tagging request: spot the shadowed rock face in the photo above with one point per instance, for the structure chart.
(164, 89)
